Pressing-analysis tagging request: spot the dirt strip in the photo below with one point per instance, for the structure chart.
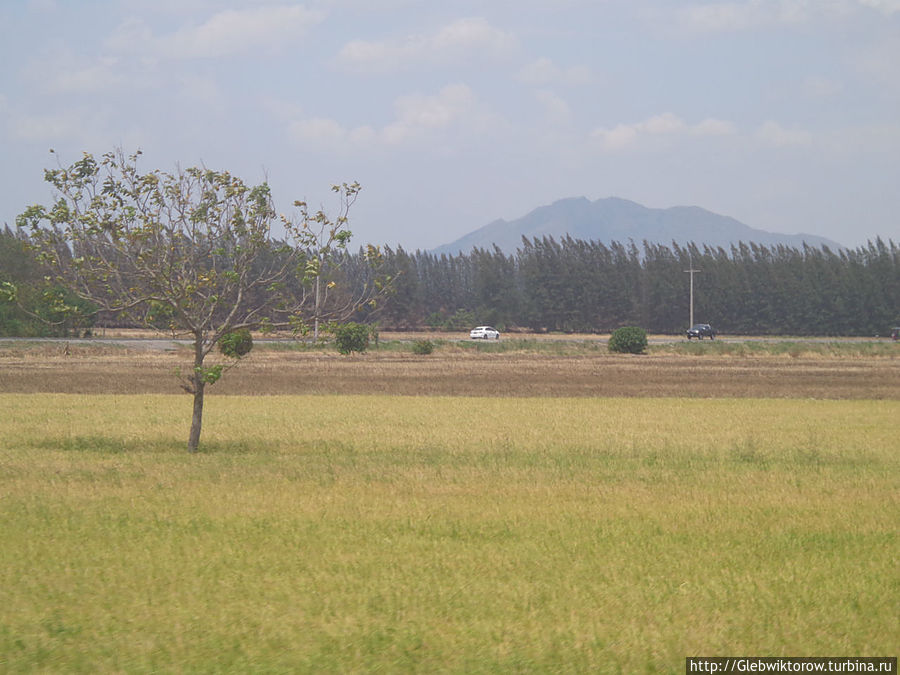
(465, 374)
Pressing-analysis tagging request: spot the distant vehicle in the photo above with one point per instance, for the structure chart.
(700, 331)
(484, 333)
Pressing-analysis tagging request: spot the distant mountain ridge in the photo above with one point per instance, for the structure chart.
(615, 219)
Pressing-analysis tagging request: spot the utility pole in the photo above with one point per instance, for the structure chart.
(692, 272)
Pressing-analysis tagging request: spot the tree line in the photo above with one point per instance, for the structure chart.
(573, 285)
(568, 285)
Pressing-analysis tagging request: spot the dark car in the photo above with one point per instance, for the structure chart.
(700, 331)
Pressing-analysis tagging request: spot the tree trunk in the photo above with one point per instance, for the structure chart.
(199, 382)
(197, 418)
(316, 318)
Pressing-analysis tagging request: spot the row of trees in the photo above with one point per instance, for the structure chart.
(547, 285)
(587, 286)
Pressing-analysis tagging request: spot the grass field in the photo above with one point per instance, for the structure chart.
(385, 533)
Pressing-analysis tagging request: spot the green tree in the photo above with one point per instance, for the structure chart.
(495, 291)
(351, 337)
(194, 246)
(404, 308)
(325, 261)
(628, 340)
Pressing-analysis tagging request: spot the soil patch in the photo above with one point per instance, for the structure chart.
(462, 374)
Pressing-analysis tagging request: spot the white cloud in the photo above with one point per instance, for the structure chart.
(328, 134)
(226, 33)
(418, 118)
(617, 137)
(470, 33)
(776, 135)
(713, 127)
(418, 114)
(543, 72)
(462, 39)
(666, 124)
(318, 130)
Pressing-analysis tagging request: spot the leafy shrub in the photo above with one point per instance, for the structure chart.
(423, 347)
(236, 344)
(628, 340)
(351, 337)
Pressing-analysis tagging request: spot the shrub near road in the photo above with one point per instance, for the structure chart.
(628, 340)
(365, 533)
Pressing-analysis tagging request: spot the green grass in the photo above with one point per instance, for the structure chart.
(506, 345)
(557, 346)
(793, 347)
(361, 534)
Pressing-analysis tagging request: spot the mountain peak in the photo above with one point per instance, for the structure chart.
(616, 219)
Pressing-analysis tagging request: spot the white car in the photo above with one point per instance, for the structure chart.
(484, 333)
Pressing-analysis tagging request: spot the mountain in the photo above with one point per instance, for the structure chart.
(615, 219)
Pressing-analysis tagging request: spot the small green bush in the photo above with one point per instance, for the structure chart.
(351, 337)
(423, 347)
(628, 340)
(236, 344)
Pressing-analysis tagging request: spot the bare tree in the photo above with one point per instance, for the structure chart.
(193, 248)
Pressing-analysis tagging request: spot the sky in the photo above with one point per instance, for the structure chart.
(784, 114)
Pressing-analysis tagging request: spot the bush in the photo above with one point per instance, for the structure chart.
(236, 344)
(351, 337)
(628, 340)
(423, 347)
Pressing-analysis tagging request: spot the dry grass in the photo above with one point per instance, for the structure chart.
(460, 371)
(443, 534)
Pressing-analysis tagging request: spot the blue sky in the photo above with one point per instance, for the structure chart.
(784, 114)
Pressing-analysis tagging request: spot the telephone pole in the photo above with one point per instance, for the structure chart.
(692, 272)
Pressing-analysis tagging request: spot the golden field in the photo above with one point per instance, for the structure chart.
(376, 523)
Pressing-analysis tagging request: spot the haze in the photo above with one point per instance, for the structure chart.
(784, 114)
